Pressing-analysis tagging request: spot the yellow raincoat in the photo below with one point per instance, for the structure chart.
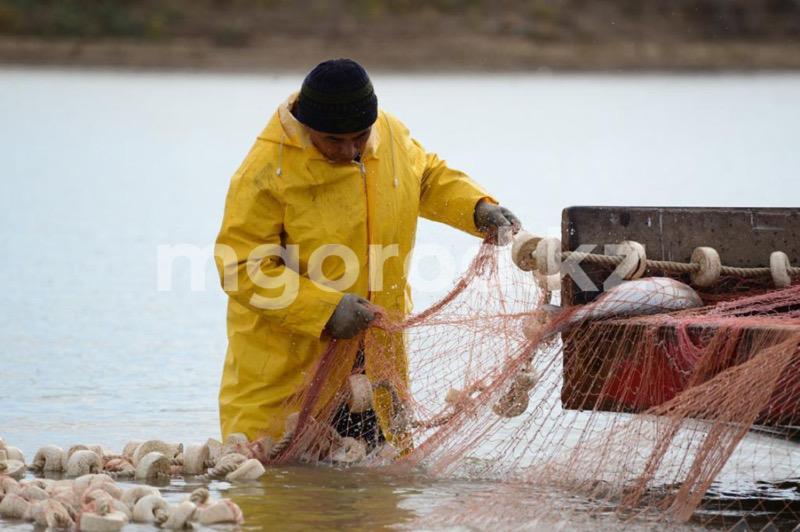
(287, 194)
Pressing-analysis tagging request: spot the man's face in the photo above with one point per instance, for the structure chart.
(339, 147)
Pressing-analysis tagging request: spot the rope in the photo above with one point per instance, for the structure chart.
(670, 266)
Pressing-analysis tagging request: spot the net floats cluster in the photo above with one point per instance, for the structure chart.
(86, 470)
(88, 498)
(153, 460)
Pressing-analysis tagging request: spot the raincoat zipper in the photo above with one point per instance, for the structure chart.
(363, 171)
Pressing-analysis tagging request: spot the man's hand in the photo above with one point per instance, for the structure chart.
(497, 221)
(352, 315)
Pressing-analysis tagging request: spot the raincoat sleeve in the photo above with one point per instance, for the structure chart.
(254, 269)
(449, 196)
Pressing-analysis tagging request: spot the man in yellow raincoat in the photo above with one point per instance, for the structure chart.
(319, 224)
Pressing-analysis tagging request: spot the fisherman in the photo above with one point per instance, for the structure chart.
(319, 222)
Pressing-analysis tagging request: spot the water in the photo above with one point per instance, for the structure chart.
(100, 169)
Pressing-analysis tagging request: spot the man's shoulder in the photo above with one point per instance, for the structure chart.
(272, 130)
(396, 125)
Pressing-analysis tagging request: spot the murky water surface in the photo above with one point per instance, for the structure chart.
(98, 344)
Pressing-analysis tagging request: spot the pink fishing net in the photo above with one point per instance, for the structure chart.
(669, 418)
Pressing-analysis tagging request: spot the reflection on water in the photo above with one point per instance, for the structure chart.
(100, 169)
(761, 505)
(326, 498)
(301, 498)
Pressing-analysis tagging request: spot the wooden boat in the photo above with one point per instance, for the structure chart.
(636, 381)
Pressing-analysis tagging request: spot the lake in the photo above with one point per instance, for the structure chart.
(101, 344)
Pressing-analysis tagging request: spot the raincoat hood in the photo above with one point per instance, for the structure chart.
(284, 129)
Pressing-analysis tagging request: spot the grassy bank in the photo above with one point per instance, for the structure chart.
(506, 35)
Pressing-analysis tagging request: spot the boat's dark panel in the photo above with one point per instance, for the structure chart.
(743, 236)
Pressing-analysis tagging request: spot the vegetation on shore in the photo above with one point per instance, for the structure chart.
(237, 22)
(515, 31)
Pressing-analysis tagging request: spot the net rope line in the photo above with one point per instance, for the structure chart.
(630, 261)
(670, 266)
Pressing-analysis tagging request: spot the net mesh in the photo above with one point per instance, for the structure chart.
(669, 418)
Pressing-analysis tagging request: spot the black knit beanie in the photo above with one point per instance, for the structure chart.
(337, 97)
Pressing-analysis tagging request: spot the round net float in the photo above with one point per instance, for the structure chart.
(51, 514)
(12, 468)
(49, 458)
(779, 269)
(151, 509)
(223, 511)
(195, 458)
(548, 256)
(132, 495)
(153, 466)
(149, 446)
(83, 462)
(180, 516)
(522, 250)
(635, 262)
(360, 399)
(14, 506)
(227, 464)
(251, 469)
(32, 492)
(200, 497)
(130, 448)
(548, 283)
(710, 266)
(13, 453)
(214, 451)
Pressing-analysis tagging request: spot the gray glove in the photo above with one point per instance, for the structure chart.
(352, 315)
(491, 219)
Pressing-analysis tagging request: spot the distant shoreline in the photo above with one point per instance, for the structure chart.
(438, 54)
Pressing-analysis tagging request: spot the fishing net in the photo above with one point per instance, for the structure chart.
(667, 419)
